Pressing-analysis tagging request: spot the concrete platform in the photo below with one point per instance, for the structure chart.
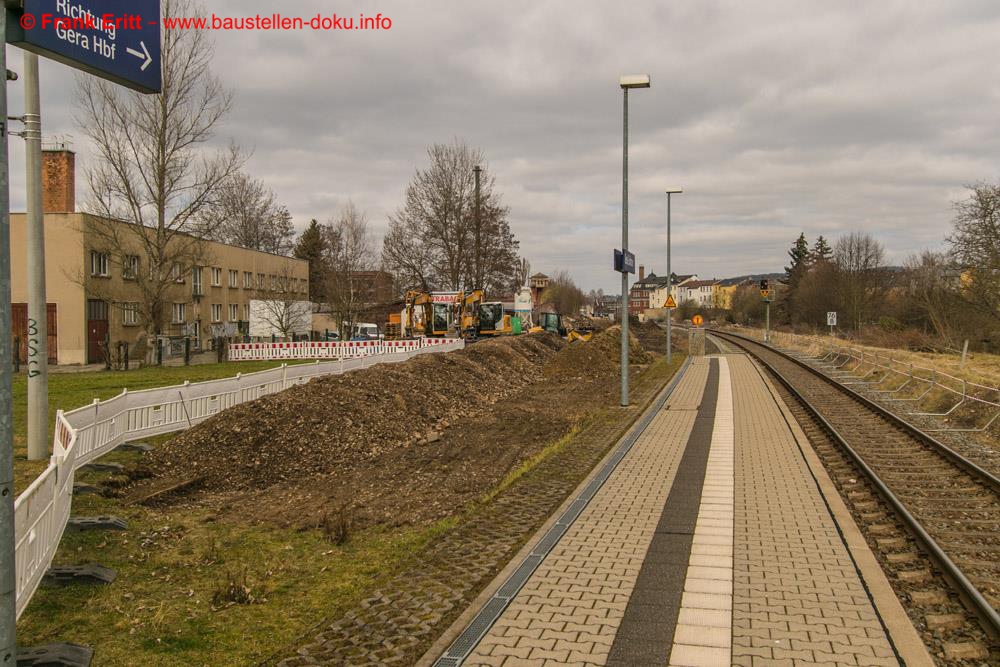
(717, 540)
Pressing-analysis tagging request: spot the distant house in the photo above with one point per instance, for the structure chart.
(723, 291)
(538, 283)
(639, 296)
(699, 291)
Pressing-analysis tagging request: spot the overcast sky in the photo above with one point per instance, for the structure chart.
(775, 117)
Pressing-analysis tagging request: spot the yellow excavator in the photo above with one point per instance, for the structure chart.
(424, 316)
(483, 318)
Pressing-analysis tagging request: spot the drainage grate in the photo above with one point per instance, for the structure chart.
(487, 616)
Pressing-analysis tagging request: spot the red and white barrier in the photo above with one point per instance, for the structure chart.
(332, 350)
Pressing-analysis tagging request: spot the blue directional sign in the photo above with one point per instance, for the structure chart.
(118, 40)
(624, 262)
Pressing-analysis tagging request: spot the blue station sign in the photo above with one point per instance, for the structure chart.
(118, 40)
(624, 262)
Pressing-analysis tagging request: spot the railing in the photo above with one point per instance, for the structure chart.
(857, 366)
(42, 511)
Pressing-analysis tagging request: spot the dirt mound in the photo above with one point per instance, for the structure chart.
(397, 443)
(334, 420)
(599, 357)
(651, 335)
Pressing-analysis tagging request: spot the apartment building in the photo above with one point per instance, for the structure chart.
(93, 295)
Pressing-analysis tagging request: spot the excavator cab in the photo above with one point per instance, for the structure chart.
(491, 319)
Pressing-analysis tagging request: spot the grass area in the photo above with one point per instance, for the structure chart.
(68, 391)
(182, 569)
(180, 572)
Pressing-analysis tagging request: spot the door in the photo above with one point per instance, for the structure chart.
(97, 330)
(19, 328)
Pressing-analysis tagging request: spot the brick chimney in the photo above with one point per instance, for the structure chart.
(58, 181)
(642, 272)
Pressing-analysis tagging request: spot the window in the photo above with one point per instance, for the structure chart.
(247, 280)
(130, 314)
(234, 312)
(216, 277)
(216, 312)
(177, 271)
(99, 264)
(179, 313)
(274, 282)
(234, 278)
(196, 287)
(260, 281)
(130, 267)
(246, 312)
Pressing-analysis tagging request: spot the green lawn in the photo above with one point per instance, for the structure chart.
(68, 391)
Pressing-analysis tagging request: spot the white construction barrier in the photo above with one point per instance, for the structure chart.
(42, 511)
(323, 350)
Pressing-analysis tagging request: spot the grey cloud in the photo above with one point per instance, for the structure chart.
(775, 117)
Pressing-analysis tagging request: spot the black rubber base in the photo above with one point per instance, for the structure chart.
(91, 573)
(79, 524)
(55, 655)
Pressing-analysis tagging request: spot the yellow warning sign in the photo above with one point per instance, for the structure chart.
(697, 320)
(764, 293)
(670, 302)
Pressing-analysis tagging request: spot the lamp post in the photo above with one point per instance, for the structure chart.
(626, 82)
(670, 278)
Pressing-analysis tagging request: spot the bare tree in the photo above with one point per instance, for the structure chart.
(933, 294)
(279, 308)
(975, 246)
(563, 293)
(245, 213)
(350, 255)
(522, 272)
(860, 275)
(151, 176)
(438, 241)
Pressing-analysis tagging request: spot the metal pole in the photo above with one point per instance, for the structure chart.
(670, 288)
(8, 600)
(624, 361)
(38, 338)
(767, 322)
(479, 230)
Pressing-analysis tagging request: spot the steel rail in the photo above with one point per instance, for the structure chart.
(973, 598)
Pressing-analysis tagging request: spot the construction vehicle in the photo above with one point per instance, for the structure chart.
(483, 318)
(553, 323)
(425, 317)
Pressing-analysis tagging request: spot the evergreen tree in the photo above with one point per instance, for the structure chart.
(821, 252)
(311, 246)
(800, 257)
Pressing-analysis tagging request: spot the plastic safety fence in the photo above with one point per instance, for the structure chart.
(42, 511)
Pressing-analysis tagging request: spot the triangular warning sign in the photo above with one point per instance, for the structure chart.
(670, 302)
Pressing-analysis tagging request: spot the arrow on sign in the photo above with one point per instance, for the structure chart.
(144, 54)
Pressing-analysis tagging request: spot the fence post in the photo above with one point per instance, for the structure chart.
(187, 351)
(965, 351)
(284, 375)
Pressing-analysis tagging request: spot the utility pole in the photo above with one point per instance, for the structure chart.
(670, 279)
(477, 170)
(38, 338)
(8, 588)
(624, 360)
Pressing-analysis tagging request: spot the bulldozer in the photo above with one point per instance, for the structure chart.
(553, 323)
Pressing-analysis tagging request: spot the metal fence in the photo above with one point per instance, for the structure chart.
(852, 366)
(42, 511)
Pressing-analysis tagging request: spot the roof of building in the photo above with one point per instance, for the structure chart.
(539, 275)
(700, 283)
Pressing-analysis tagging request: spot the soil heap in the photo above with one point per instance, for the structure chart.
(397, 443)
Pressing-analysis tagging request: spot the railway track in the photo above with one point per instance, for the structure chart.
(930, 515)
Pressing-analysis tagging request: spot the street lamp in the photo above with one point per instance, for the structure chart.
(626, 82)
(670, 276)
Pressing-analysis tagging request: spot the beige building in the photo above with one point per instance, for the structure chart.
(93, 295)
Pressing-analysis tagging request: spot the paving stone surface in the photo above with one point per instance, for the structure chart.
(569, 611)
(797, 597)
